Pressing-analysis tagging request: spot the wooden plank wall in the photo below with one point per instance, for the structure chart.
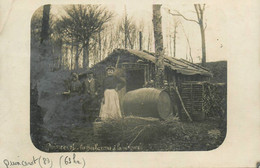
(192, 96)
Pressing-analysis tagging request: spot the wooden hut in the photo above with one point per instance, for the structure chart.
(138, 68)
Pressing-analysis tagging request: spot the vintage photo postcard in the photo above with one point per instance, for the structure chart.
(129, 84)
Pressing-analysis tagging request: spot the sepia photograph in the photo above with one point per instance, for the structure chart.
(119, 83)
(123, 78)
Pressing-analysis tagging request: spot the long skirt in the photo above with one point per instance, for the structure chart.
(110, 109)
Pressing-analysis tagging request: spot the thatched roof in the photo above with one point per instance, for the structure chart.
(179, 65)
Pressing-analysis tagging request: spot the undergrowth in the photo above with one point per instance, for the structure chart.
(139, 134)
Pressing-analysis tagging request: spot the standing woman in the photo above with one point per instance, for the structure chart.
(110, 106)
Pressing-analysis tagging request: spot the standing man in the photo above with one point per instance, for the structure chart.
(90, 89)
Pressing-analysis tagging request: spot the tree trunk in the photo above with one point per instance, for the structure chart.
(71, 56)
(95, 54)
(170, 46)
(130, 43)
(65, 61)
(174, 41)
(200, 11)
(45, 23)
(100, 47)
(76, 64)
(86, 55)
(104, 50)
(157, 25)
(148, 44)
(203, 44)
(111, 45)
(60, 52)
(125, 27)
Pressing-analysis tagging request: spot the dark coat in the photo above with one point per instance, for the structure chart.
(90, 87)
(113, 82)
(75, 86)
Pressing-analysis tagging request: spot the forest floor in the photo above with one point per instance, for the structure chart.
(134, 134)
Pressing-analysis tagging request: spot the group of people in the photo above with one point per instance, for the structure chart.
(96, 96)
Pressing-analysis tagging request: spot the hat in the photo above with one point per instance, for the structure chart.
(75, 75)
(110, 67)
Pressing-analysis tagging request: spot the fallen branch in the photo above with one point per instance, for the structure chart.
(187, 113)
(137, 135)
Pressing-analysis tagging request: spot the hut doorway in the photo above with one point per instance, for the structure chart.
(134, 79)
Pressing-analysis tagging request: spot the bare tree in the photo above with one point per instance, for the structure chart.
(129, 28)
(200, 9)
(60, 37)
(84, 21)
(42, 29)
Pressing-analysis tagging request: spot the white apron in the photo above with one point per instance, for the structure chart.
(111, 108)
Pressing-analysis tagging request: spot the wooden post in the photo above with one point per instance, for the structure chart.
(159, 52)
(140, 40)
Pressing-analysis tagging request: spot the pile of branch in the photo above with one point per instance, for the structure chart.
(215, 100)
